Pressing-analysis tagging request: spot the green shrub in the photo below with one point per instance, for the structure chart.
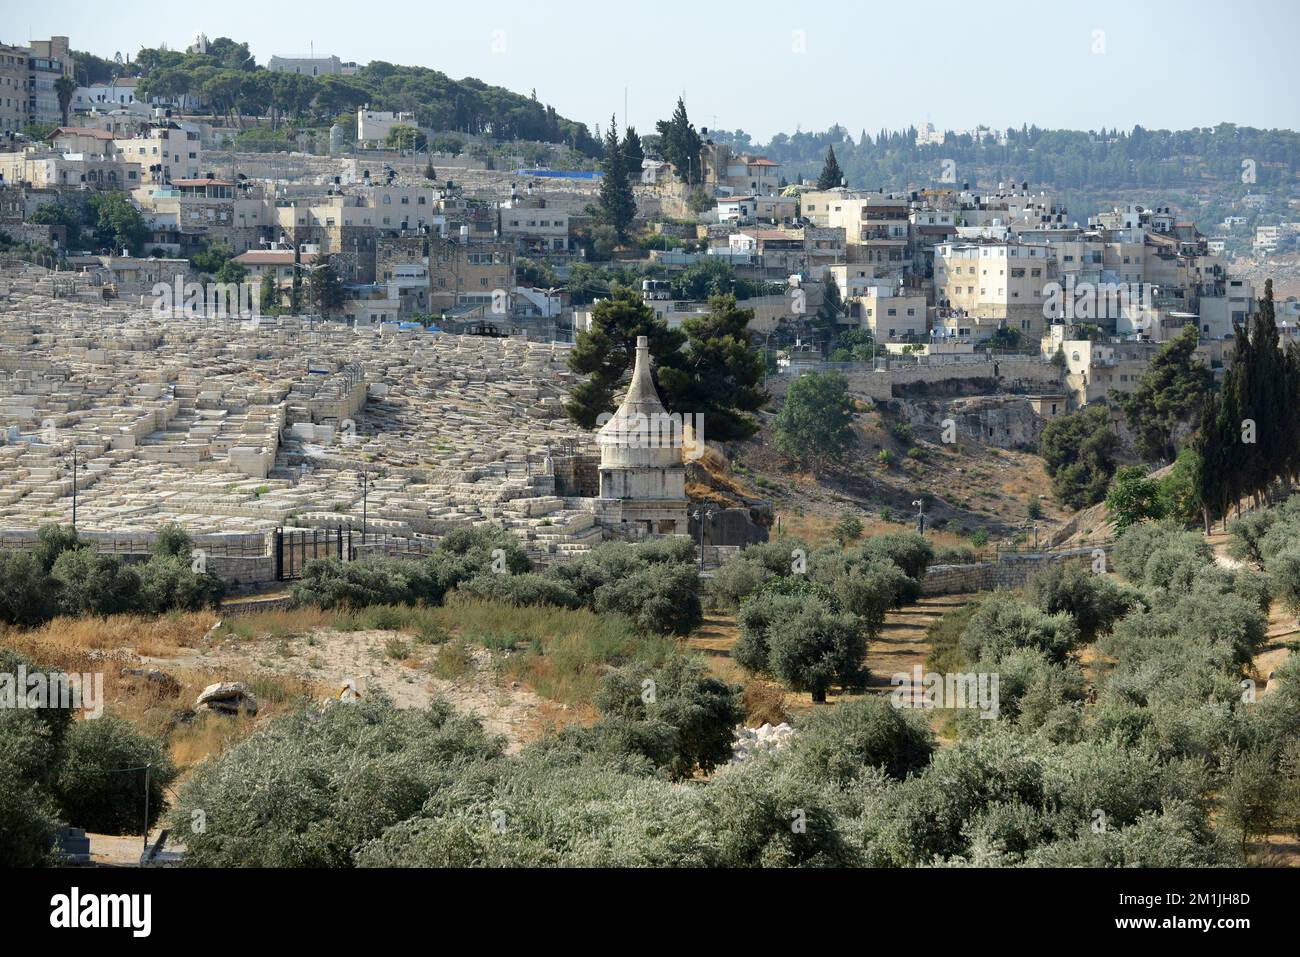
(817, 647)
(51, 542)
(101, 781)
(1004, 624)
(1138, 544)
(662, 599)
(329, 583)
(1284, 570)
(868, 589)
(326, 783)
(168, 583)
(28, 821)
(91, 584)
(173, 542)
(692, 715)
(756, 564)
(30, 595)
(838, 744)
(1093, 601)
(526, 589)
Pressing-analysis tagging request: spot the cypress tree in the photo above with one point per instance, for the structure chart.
(1270, 412)
(681, 145)
(633, 154)
(617, 204)
(832, 175)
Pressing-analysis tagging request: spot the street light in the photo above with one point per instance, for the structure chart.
(364, 481)
(920, 516)
(700, 514)
(74, 486)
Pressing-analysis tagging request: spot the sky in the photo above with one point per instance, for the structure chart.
(767, 67)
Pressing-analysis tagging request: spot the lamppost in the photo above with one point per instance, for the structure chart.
(767, 339)
(364, 481)
(700, 515)
(920, 516)
(74, 486)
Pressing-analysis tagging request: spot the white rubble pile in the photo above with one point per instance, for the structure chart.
(751, 741)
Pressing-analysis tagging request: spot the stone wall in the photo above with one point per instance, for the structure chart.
(1000, 374)
(1009, 571)
(577, 476)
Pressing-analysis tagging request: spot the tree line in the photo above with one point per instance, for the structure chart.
(1064, 159)
(1249, 441)
(228, 79)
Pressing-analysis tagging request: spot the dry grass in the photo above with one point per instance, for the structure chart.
(454, 660)
(765, 703)
(160, 637)
(113, 646)
(278, 623)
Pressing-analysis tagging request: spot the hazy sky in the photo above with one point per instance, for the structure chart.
(768, 67)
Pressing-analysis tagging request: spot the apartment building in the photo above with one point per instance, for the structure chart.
(739, 174)
(47, 61)
(47, 168)
(876, 226)
(373, 126)
(744, 210)
(535, 228)
(995, 284)
(27, 78)
(165, 153)
(464, 272)
(116, 94)
(13, 88)
(1094, 368)
(890, 314)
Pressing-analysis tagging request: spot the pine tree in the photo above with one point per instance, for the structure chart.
(1268, 407)
(617, 204)
(269, 294)
(1216, 447)
(720, 378)
(326, 289)
(831, 175)
(1170, 393)
(826, 320)
(606, 353)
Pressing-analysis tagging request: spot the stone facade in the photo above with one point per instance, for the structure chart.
(642, 474)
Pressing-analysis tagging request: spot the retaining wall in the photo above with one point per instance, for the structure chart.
(1009, 571)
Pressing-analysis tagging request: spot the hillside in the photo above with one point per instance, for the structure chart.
(231, 82)
(897, 457)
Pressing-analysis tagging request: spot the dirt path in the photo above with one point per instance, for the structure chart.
(388, 661)
(1282, 626)
(903, 645)
(900, 647)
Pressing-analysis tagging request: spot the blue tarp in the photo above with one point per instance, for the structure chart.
(559, 174)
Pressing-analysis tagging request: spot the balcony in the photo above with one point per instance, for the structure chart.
(872, 235)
